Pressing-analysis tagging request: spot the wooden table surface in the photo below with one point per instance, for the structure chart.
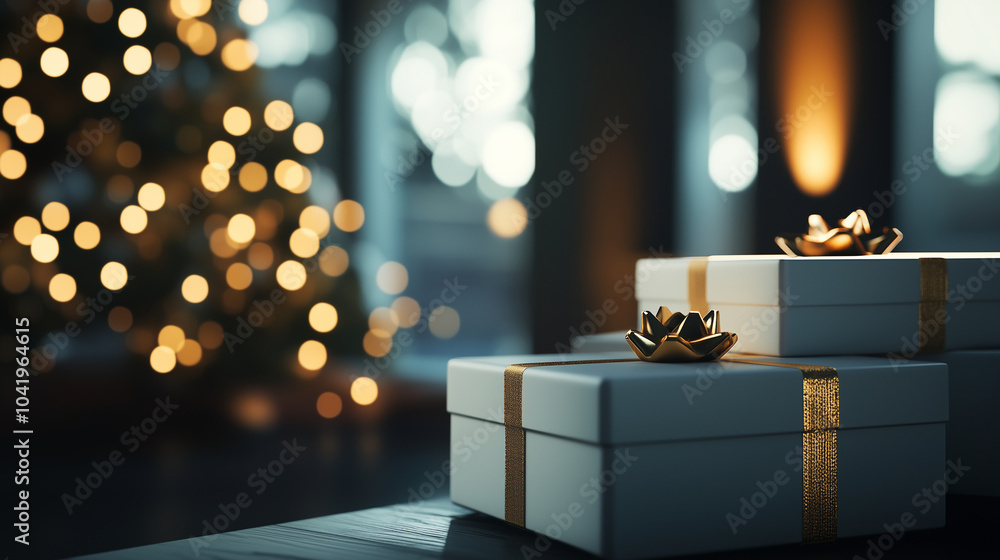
(441, 529)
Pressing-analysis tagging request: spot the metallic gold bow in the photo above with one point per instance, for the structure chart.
(677, 337)
(844, 240)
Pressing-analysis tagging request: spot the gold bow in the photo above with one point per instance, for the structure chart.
(676, 337)
(844, 240)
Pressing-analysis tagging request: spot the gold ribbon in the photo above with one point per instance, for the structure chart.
(514, 450)
(820, 420)
(933, 297)
(697, 287)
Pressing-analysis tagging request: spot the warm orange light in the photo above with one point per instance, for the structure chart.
(814, 85)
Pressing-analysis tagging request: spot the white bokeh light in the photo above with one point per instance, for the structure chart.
(509, 154)
(732, 163)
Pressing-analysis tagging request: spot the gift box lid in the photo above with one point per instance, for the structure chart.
(634, 402)
(780, 280)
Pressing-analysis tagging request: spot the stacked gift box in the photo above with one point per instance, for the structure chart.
(852, 394)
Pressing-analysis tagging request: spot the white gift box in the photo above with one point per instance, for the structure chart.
(632, 459)
(974, 422)
(810, 306)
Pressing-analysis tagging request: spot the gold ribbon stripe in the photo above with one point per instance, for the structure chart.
(820, 420)
(514, 447)
(697, 290)
(933, 296)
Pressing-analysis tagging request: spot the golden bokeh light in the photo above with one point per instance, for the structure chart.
(333, 261)
(214, 178)
(15, 279)
(444, 322)
(308, 138)
(133, 219)
(260, 256)
(128, 154)
(100, 11)
(137, 60)
(199, 36)
(254, 409)
(194, 289)
(239, 276)
(329, 405)
(236, 121)
(12, 164)
(190, 353)
(241, 228)
(114, 276)
(25, 230)
(120, 319)
(44, 248)
(87, 235)
(220, 244)
(364, 391)
(239, 54)
(10, 73)
(162, 359)
(253, 12)
(312, 355)
(304, 243)
(291, 275)
(348, 215)
(167, 56)
(186, 9)
(152, 197)
(55, 216)
(96, 87)
(407, 311)
(323, 317)
(315, 218)
(49, 28)
(289, 175)
(507, 217)
(14, 108)
(30, 128)
(120, 188)
(62, 287)
(54, 62)
(278, 115)
(392, 277)
(210, 335)
(253, 176)
(376, 345)
(4, 141)
(132, 22)
(812, 50)
(383, 322)
(222, 153)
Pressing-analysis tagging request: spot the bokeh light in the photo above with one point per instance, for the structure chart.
(30, 128)
(133, 219)
(392, 277)
(12, 164)
(315, 218)
(120, 319)
(241, 228)
(444, 322)
(114, 276)
(194, 288)
(304, 243)
(55, 216)
(162, 359)
(14, 108)
(348, 215)
(190, 353)
(10, 73)
(407, 311)
(239, 54)
(236, 121)
(278, 115)
(137, 60)
(44, 248)
(253, 176)
(151, 197)
(62, 287)
(333, 261)
(96, 87)
(312, 355)
(132, 22)
(308, 138)
(329, 405)
(87, 235)
(323, 317)
(25, 230)
(507, 217)
(49, 28)
(291, 275)
(364, 391)
(54, 62)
